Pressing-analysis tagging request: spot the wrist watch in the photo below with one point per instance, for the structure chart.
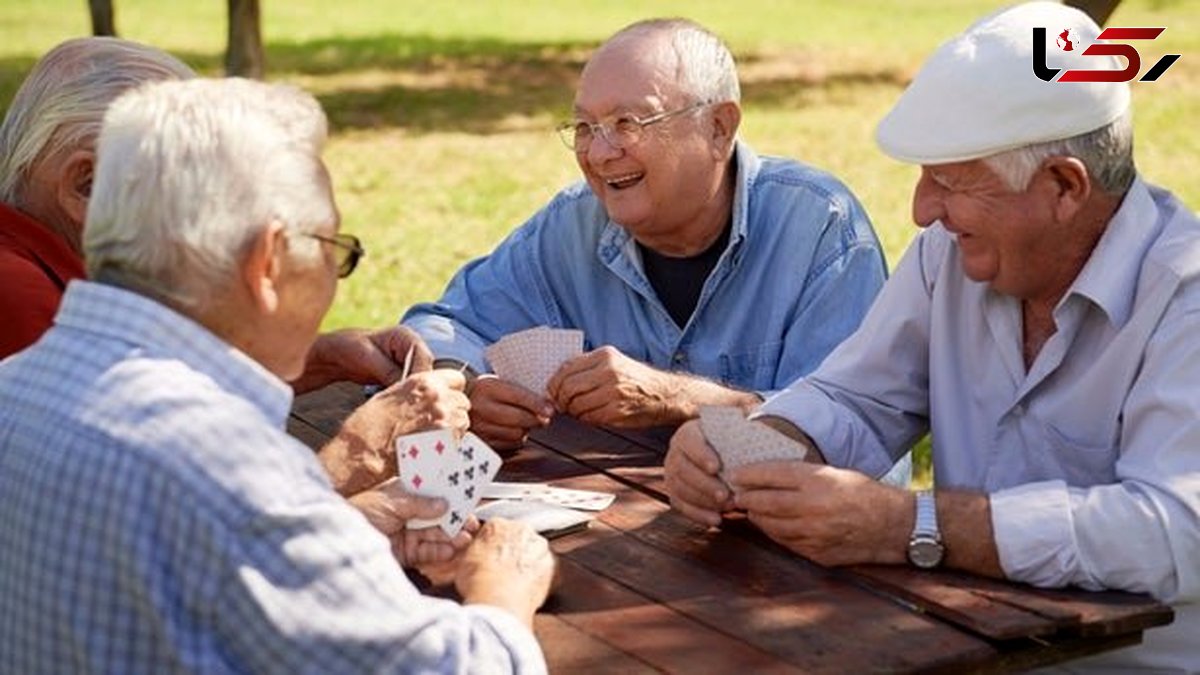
(449, 363)
(925, 548)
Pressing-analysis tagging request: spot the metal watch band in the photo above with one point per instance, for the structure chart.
(450, 363)
(926, 521)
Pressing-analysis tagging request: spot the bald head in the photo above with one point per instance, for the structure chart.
(680, 51)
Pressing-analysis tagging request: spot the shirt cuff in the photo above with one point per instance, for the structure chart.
(1035, 538)
(526, 653)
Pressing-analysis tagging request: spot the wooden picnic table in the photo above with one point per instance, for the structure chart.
(645, 590)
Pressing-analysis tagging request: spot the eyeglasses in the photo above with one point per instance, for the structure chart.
(347, 248)
(623, 132)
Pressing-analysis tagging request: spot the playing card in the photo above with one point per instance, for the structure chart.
(548, 519)
(584, 500)
(739, 442)
(465, 469)
(422, 457)
(477, 466)
(531, 357)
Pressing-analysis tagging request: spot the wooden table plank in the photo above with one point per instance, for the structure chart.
(572, 650)
(647, 631)
(1002, 610)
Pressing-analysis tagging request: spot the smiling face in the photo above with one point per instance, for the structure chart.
(670, 188)
(1019, 243)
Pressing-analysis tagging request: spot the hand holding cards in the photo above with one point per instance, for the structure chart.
(435, 464)
(739, 442)
(531, 357)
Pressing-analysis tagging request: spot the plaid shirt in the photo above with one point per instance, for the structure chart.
(154, 517)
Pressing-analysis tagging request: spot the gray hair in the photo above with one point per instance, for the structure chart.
(706, 67)
(59, 106)
(1107, 153)
(190, 173)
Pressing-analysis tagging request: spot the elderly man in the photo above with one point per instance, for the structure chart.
(1043, 325)
(701, 272)
(47, 155)
(153, 514)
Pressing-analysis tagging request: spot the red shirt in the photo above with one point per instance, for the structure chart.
(35, 266)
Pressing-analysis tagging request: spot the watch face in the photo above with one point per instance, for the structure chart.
(925, 553)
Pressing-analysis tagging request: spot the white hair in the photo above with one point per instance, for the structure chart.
(61, 103)
(1107, 153)
(706, 67)
(189, 173)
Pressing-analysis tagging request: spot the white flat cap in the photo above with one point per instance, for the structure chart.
(978, 95)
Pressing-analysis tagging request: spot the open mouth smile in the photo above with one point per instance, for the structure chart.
(625, 181)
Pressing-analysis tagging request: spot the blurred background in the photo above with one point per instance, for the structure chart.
(442, 113)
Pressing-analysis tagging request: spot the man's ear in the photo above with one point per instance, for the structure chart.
(75, 186)
(727, 116)
(261, 267)
(1070, 184)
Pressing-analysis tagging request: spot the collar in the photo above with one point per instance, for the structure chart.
(161, 332)
(23, 233)
(1109, 277)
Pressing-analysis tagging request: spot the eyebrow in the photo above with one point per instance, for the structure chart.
(940, 179)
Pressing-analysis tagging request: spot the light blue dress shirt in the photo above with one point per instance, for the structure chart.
(154, 518)
(800, 270)
(1092, 457)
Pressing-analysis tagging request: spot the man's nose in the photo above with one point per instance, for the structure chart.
(602, 147)
(928, 206)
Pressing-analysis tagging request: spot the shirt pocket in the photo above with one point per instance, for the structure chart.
(752, 369)
(1080, 463)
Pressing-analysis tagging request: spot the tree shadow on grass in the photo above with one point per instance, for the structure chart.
(425, 84)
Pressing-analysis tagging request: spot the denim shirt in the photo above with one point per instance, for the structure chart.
(800, 270)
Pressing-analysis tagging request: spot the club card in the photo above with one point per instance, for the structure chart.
(548, 519)
(477, 465)
(739, 441)
(584, 500)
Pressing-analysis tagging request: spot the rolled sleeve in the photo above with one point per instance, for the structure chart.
(1034, 534)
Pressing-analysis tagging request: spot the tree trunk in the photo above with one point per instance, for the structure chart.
(244, 56)
(103, 20)
(1099, 10)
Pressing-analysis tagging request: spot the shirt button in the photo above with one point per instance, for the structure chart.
(678, 359)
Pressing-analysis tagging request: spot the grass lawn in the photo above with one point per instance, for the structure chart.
(442, 113)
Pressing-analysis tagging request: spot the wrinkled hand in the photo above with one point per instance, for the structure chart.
(691, 474)
(607, 387)
(502, 413)
(389, 508)
(362, 455)
(831, 516)
(362, 356)
(508, 565)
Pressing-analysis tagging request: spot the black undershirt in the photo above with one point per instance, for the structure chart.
(678, 281)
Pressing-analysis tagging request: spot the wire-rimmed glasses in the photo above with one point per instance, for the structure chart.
(623, 131)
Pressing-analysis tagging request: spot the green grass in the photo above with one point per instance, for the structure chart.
(442, 112)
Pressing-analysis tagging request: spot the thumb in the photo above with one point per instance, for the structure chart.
(416, 506)
(404, 506)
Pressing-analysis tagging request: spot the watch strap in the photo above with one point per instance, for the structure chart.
(926, 519)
